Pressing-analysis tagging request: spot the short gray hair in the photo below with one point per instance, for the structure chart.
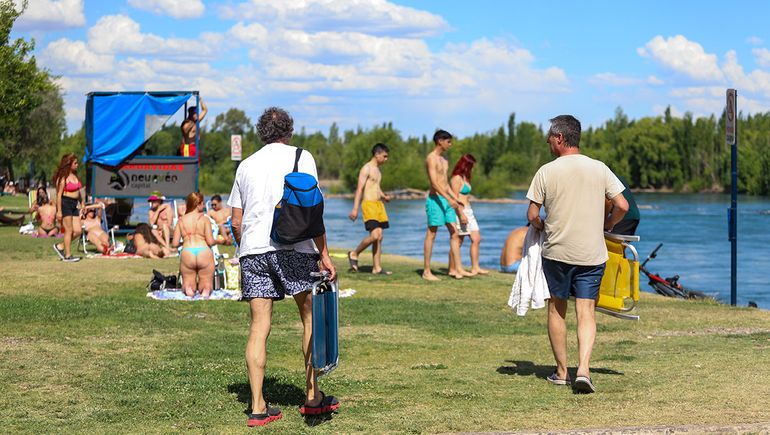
(275, 125)
(569, 127)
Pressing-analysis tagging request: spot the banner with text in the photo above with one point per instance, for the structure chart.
(172, 176)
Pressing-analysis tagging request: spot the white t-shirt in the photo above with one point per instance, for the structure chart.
(258, 187)
(572, 189)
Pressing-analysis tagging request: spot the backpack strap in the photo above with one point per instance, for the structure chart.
(296, 159)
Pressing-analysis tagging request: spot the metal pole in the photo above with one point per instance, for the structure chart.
(734, 214)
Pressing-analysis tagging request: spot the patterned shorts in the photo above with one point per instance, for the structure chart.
(277, 274)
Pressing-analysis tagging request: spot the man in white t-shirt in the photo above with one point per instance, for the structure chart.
(270, 271)
(573, 188)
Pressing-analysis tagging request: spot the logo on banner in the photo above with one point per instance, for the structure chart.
(118, 180)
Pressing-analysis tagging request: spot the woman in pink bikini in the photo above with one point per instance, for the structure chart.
(68, 196)
(196, 262)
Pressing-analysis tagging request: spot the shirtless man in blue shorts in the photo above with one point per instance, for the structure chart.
(441, 207)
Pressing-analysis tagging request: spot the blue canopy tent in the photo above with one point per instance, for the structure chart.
(118, 124)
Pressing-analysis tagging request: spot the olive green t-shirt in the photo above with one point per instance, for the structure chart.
(572, 189)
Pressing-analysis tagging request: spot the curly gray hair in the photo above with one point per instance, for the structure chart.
(275, 125)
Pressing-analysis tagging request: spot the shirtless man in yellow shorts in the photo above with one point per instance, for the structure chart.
(375, 217)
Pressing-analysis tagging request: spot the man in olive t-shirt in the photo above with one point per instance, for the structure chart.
(572, 189)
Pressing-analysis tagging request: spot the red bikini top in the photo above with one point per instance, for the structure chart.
(72, 187)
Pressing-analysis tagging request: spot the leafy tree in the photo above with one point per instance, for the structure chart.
(23, 87)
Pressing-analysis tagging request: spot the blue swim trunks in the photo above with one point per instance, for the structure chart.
(564, 279)
(511, 268)
(439, 211)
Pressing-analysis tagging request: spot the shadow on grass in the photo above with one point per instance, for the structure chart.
(528, 368)
(276, 393)
(442, 271)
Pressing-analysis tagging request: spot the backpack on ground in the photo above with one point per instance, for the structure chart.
(299, 215)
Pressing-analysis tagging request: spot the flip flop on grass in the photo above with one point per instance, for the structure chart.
(382, 272)
(555, 380)
(353, 262)
(325, 406)
(270, 414)
(583, 385)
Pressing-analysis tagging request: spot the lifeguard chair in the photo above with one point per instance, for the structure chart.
(619, 291)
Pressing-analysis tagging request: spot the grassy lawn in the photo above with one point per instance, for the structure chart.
(83, 350)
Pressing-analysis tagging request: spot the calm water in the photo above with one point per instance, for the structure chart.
(692, 228)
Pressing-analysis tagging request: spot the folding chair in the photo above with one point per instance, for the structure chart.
(83, 241)
(619, 291)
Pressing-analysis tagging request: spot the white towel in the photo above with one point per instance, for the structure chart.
(530, 288)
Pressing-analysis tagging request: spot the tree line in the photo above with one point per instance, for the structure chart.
(663, 152)
(684, 154)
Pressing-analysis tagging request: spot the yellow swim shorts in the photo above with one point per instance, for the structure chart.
(374, 215)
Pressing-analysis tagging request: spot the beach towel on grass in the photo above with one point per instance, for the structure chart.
(115, 256)
(178, 295)
(530, 288)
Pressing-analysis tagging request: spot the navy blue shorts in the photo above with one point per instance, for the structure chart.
(568, 279)
(276, 274)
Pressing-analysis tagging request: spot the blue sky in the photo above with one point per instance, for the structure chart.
(458, 65)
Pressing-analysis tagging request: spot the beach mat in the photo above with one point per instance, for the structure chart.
(116, 256)
(178, 295)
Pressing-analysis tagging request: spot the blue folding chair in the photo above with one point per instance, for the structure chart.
(325, 341)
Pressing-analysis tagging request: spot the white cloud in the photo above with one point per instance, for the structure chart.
(612, 79)
(174, 8)
(348, 61)
(652, 80)
(616, 80)
(754, 40)
(119, 34)
(370, 16)
(762, 56)
(76, 58)
(316, 99)
(757, 81)
(683, 56)
(50, 15)
(698, 92)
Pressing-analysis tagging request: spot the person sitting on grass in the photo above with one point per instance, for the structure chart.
(147, 245)
(221, 214)
(510, 256)
(44, 212)
(9, 189)
(196, 261)
(161, 218)
(92, 224)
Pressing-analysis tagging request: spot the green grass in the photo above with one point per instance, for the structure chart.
(83, 350)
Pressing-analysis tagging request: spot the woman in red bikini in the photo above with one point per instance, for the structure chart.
(68, 196)
(196, 261)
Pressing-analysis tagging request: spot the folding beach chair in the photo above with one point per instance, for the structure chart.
(325, 338)
(619, 291)
(83, 241)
